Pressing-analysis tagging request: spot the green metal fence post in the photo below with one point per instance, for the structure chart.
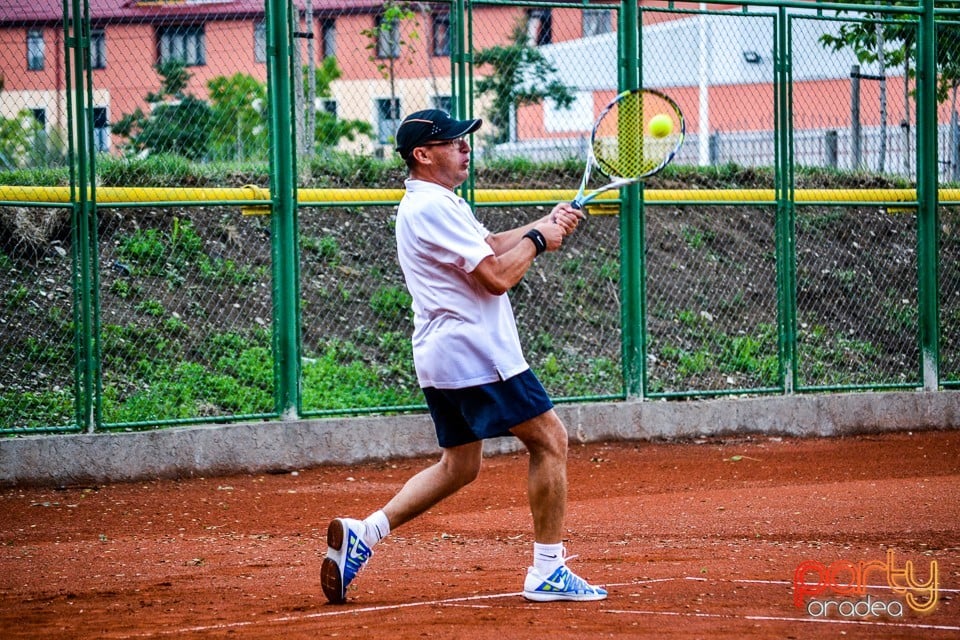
(77, 43)
(784, 186)
(93, 222)
(631, 222)
(460, 59)
(77, 280)
(458, 72)
(283, 221)
(927, 213)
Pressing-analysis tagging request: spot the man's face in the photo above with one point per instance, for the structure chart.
(445, 162)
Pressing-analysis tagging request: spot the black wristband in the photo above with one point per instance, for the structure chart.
(537, 239)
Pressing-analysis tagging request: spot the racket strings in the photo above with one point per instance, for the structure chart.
(623, 143)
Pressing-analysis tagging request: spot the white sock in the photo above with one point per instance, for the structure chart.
(377, 527)
(547, 557)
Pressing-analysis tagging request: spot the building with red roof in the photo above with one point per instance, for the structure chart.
(225, 37)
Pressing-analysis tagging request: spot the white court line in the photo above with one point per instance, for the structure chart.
(468, 601)
(324, 614)
(352, 611)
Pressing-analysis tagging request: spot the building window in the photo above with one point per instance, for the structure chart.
(40, 115)
(388, 119)
(260, 41)
(388, 37)
(328, 106)
(441, 34)
(98, 49)
(184, 43)
(328, 35)
(539, 27)
(35, 50)
(39, 134)
(101, 129)
(596, 21)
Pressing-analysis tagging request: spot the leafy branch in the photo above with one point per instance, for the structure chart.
(520, 75)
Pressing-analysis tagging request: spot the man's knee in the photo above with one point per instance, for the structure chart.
(461, 467)
(545, 434)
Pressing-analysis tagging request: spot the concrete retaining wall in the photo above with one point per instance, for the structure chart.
(267, 446)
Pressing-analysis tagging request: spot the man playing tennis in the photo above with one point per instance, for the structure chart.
(468, 359)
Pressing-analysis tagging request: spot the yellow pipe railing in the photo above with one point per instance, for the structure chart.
(260, 195)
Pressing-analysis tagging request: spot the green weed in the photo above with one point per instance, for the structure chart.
(391, 303)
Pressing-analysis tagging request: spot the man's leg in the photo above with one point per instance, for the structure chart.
(549, 578)
(350, 542)
(458, 467)
(545, 438)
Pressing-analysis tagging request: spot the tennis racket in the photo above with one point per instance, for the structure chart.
(635, 136)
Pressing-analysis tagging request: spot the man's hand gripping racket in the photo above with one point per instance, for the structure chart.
(635, 136)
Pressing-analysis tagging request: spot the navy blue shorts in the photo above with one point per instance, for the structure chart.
(487, 410)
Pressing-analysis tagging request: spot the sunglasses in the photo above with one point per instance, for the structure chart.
(458, 142)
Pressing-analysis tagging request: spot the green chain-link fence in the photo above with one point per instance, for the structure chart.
(948, 142)
(196, 200)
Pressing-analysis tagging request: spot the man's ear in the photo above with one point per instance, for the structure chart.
(421, 155)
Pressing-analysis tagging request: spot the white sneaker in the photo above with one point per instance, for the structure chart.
(346, 555)
(562, 584)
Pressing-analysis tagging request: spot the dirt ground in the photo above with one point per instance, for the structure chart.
(693, 540)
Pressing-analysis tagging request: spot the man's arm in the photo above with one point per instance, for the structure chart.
(563, 215)
(500, 273)
(514, 252)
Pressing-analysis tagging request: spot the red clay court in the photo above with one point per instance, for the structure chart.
(693, 540)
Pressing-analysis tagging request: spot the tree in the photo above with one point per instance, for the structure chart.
(329, 129)
(888, 45)
(387, 42)
(889, 39)
(179, 123)
(18, 137)
(520, 75)
(239, 104)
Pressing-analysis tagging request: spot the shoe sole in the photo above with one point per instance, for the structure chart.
(330, 579)
(558, 597)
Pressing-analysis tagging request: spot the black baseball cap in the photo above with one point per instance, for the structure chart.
(431, 125)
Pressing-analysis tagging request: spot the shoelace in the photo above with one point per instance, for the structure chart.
(575, 582)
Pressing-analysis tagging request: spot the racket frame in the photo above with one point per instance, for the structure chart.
(580, 199)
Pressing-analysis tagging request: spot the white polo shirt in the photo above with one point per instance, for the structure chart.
(463, 335)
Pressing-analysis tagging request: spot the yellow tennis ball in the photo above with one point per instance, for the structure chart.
(660, 126)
